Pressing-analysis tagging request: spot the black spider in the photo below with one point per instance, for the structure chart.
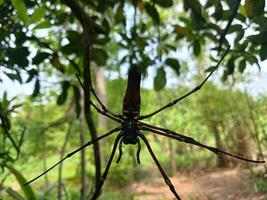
(131, 126)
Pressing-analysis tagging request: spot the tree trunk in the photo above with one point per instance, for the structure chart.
(44, 156)
(83, 190)
(255, 127)
(60, 183)
(88, 28)
(221, 159)
(172, 157)
(89, 118)
(101, 92)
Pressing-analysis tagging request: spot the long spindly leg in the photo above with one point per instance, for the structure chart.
(120, 151)
(187, 94)
(186, 139)
(167, 180)
(74, 152)
(117, 119)
(104, 109)
(104, 176)
(138, 151)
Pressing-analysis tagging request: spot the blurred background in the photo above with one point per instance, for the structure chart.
(175, 43)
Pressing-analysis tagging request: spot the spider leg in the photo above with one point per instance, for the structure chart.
(74, 152)
(104, 176)
(117, 119)
(138, 151)
(186, 139)
(167, 180)
(104, 110)
(187, 94)
(120, 151)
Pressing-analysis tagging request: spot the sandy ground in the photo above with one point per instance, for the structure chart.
(229, 184)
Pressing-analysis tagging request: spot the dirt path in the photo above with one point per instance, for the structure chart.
(219, 185)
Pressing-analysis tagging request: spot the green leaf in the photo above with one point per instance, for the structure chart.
(21, 10)
(195, 7)
(43, 24)
(225, 76)
(263, 52)
(19, 56)
(71, 49)
(1, 2)
(230, 66)
(242, 65)
(181, 30)
(64, 94)
(160, 79)
(99, 56)
(174, 64)
(196, 47)
(250, 58)
(106, 25)
(164, 3)
(254, 8)
(32, 73)
(152, 12)
(57, 64)
(140, 42)
(242, 46)
(119, 16)
(28, 192)
(38, 15)
(102, 5)
(40, 57)
(36, 88)
(219, 12)
(210, 69)
(235, 28)
(239, 36)
(77, 97)
(15, 76)
(258, 38)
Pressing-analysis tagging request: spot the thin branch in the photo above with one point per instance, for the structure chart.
(62, 152)
(82, 16)
(233, 15)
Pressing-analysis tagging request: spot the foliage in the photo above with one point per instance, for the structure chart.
(259, 182)
(41, 42)
(50, 27)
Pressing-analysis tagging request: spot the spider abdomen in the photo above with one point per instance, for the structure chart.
(131, 101)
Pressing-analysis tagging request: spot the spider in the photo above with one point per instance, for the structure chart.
(131, 127)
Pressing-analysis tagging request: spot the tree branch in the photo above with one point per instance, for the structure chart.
(89, 27)
(82, 16)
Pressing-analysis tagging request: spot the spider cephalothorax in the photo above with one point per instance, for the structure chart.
(130, 132)
(130, 127)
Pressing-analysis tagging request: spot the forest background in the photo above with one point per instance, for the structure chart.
(175, 43)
